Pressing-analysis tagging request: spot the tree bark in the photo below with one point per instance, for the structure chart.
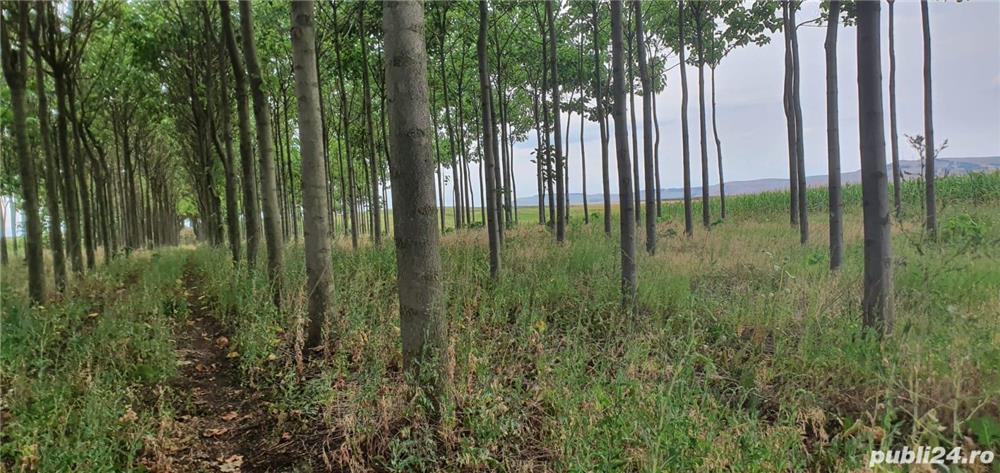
(718, 151)
(793, 176)
(251, 212)
(800, 165)
(685, 135)
(626, 213)
(556, 109)
(599, 100)
(265, 146)
(647, 129)
(319, 265)
(897, 176)
(492, 224)
(930, 152)
(15, 71)
(699, 18)
(373, 204)
(421, 296)
(833, 139)
(877, 302)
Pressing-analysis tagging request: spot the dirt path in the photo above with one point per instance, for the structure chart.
(218, 424)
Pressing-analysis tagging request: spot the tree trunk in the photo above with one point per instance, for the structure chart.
(800, 165)
(647, 129)
(251, 213)
(15, 71)
(833, 139)
(897, 176)
(81, 176)
(718, 152)
(373, 204)
(423, 327)
(930, 152)
(344, 138)
(556, 109)
(539, 153)
(793, 176)
(685, 135)
(656, 152)
(268, 184)
(627, 215)
(599, 99)
(51, 170)
(878, 285)
(636, 194)
(492, 224)
(699, 18)
(319, 265)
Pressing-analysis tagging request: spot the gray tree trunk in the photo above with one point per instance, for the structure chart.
(599, 99)
(685, 134)
(930, 151)
(718, 151)
(793, 176)
(372, 155)
(703, 128)
(421, 297)
(800, 154)
(833, 139)
(557, 121)
(626, 212)
(265, 146)
(489, 157)
(897, 176)
(251, 213)
(15, 71)
(877, 301)
(316, 230)
(647, 129)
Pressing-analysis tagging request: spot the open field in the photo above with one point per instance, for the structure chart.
(747, 354)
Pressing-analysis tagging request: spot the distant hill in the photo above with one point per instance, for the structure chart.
(910, 170)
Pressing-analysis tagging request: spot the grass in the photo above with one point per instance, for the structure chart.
(747, 353)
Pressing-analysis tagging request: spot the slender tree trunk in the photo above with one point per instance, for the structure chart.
(930, 152)
(15, 71)
(878, 285)
(251, 213)
(345, 136)
(81, 176)
(421, 296)
(897, 176)
(319, 265)
(800, 166)
(636, 194)
(372, 155)
(833, 138)
(547, 125)
(647, 129)
(456, 182)
(656, 154)
(685, 135)
(718, 151)
(556, 109)
(793, 179)
(70, 197)
(627, 215)
(52, 190)
(539, 153)
(700, 45)
(492, 225)
(599, 99)
(268, 182)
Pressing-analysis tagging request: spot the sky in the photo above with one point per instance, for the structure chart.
(966, 72)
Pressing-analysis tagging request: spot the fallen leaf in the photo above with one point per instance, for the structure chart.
(92, 315)
(233, 354)
(286, 436)
(214, 432)
(222, 342)
(231, 464)
(201, 368)
(231, 415)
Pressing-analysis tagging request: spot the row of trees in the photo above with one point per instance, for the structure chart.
(142, 139)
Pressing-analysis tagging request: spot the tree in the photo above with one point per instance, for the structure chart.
(15, 71)
(556, 109)
(800, 155)
(626, 213)
(418, 263)
(319, 266)
(897, 177)
(647, 129)
(265, 146)
(699, 10)
(930, 222)
(251, 213)
(366, 88)
(793, 175)
(601, 118)
(685, 135)
(877, 302)
(833, 139)
(489, 157)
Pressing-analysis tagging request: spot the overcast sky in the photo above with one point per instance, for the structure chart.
(966, 61)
